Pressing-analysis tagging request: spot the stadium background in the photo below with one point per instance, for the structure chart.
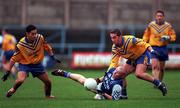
(82, 26)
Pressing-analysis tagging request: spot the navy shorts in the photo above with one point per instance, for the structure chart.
(163, 53)
(145, 58)
(8, 54)
(35, 69)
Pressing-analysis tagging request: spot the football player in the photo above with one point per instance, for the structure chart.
(159, 34)
(29, 54)
(110, 88)
(138, 54)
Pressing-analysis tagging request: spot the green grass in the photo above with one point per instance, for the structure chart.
(70, 94)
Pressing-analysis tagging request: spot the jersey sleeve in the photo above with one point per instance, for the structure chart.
(172, 34)
(146, 35)
(47, 47)
(17, 55)
(114, 59)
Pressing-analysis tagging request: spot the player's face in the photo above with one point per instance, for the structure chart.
(31, 35)
(114, 38)
(159, 17)
(119, 73)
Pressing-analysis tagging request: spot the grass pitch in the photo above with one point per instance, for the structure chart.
(70, 94)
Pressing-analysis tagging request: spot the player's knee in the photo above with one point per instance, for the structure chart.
(138, 75)
(155, 67)
(81, 80)
(20, 80)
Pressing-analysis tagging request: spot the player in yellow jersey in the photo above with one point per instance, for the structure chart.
(158, 34)
(29, 54)
(137, 52)
(8, 48)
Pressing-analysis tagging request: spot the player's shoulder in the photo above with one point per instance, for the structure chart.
(167, 23)
(40, 36)
(152, 23)
(128, 37)
(22, 39)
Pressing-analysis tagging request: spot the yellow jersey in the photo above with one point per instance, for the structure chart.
(154, 32)
(9, 42)
(31, 53)
(131, 49)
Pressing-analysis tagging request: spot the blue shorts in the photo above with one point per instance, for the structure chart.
(8, 54)
(35, 69)
(163, 53)
(145, 58)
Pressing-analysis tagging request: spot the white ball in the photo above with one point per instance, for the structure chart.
(90, 83)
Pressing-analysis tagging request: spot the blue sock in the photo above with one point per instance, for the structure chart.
(66, 74)
(156, 82)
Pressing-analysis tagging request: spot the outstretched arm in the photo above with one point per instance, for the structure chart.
(5, 76)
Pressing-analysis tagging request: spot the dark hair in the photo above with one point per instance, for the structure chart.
(116, 31)
(29, 28)
(160, 11)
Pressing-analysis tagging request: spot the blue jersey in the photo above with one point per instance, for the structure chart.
(111, 86)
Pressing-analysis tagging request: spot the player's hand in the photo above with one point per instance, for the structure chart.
(97, 80)
(55, 59)
(165, 38)
(5, 76)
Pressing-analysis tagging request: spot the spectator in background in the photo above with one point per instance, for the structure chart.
(8, 49)
(159, 34)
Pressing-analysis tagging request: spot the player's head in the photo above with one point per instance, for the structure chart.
(115, 35)
(118, 73)
(159, 16)
(31, 32)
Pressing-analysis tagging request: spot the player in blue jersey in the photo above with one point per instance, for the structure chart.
(110, 88)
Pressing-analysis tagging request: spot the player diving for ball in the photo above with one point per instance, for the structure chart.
(110, 88)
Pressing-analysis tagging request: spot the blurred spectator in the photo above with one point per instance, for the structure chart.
(8, 48)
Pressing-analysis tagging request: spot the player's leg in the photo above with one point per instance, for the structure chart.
(20, 79)
(124, 94)
(47, 84)
(140, 72)
(142, 63)
(162, 69)
(155, 68)
(156, 63)
(159, 65)
(13, 72)
(122, 72)
(76, 77)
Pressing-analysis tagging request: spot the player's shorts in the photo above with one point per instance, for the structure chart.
(35, 69)
(145, 58)
(115, 90)
(8, 54)
(163, 53)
